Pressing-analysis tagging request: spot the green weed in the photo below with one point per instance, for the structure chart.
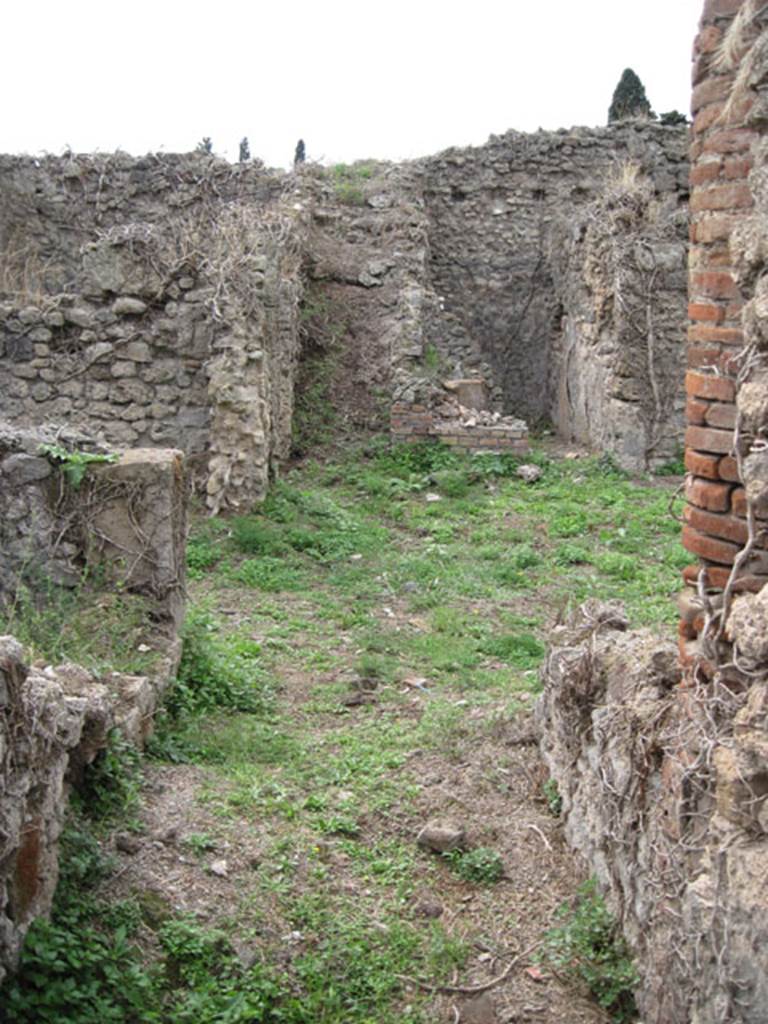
(257, 537)
(481, 865)
(199, 843)
(110, 785)
(97, 628)
(72, 969)
(267, 573)
(522, 650)
(216, 671)
(553, 798)
(203, 553)
(74, 464)
(587, 945)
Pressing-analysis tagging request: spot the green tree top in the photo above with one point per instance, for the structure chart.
(629, 99)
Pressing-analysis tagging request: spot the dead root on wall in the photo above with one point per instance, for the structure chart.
(663, 790)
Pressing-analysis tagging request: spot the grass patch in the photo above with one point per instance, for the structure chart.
(103, 630)
(347, 575)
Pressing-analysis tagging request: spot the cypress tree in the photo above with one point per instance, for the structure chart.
(629, 99)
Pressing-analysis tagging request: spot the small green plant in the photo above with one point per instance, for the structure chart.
(431, 359)
(216, 672)
(572, 554)
(453, 483)
(587, 945)
(199, 843)
(207, 982)
(111, 783)
(74, 465)
(522, 650)
(672, 467)
(482, 865)
(74, 967)
(347, 180)
(202, 554)
(350, 194)
(254, 536)
(552, 797)
(377, 668)
(268, 573)
(608, 466)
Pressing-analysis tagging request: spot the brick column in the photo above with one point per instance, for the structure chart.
(721, 143)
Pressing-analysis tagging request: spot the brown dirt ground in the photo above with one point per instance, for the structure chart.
(488, 778)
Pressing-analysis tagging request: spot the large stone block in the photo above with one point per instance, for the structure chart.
(138, 524)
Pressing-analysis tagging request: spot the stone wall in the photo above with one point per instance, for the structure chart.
(367, 284)
(160, 300)
(53, 721)
(663, 789)
(619, 267)
(124, 524)
(156, 302)
(497, 216)
(125, 520)
(51, 207)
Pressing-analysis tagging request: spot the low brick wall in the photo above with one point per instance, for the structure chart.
(417, 422)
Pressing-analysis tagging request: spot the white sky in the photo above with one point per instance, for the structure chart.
(395, 79)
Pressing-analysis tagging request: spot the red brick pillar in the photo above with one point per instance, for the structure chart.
(715, 527)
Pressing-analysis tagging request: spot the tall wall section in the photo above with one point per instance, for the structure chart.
(516, 230)
(726, 359)
(366, 271)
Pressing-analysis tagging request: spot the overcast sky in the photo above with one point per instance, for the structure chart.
(395, 79)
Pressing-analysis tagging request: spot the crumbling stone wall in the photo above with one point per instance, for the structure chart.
(496, 214)
(126, 519)
(52, 720)
(159, 300)
(661, 760)
(50, 207)
(663, 789)
(367, 284)
(124, 523)
(155, 301)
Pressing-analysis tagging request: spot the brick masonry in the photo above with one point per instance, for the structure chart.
(722, 141)
(417, 423)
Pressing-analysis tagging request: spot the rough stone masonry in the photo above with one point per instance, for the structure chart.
(171, 299)
(125, 523)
